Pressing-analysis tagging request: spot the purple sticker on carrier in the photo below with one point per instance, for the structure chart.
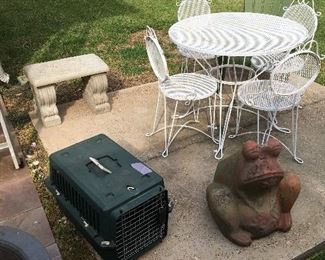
(140, 167)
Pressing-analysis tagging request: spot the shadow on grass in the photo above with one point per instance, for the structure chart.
(40, 30)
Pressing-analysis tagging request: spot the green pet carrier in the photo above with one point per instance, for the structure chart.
(117, 202)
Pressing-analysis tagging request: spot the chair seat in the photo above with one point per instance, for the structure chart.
(194, 55)
(259, 95)
(189, 86)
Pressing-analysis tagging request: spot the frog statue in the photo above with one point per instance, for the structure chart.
(251, 195)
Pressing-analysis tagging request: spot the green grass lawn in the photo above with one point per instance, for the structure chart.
(320, 256)
(40, 30)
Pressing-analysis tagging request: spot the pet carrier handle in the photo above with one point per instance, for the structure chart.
(97, 163)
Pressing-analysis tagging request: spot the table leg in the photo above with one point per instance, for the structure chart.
(219, 152)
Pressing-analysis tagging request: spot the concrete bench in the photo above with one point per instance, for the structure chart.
(43, 77)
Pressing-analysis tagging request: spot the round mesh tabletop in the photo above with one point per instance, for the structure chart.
(237, 34)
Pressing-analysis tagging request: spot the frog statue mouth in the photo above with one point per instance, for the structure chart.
(266, 180)
(259, 165)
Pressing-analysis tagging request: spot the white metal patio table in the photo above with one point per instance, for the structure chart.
(236, 34)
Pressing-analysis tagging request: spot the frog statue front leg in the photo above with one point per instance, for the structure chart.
(253, 197)
(224, 209)
(289, 189)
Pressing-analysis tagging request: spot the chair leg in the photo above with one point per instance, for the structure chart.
(211, 119)
(238, 118)
(295, 116)
(220, 112)
(277, 127)
(169, 136)
(267, 133)
(196, 111)
(210, 116)
(258, 127)
(165, 152)
(156, 121)
(184, 67)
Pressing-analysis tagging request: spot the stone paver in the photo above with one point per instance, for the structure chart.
(20, 206)
(35, 223)
(6, 166)
(54, 252)
(16, 196)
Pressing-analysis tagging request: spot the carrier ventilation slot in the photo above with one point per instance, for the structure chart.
(87, 212)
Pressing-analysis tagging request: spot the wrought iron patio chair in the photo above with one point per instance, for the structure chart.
(274, 7)
(184, 87)
(299, 11)
(283, 91)
(186, 9)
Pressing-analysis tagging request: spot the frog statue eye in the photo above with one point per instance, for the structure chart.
(273, 147)
(251, 150)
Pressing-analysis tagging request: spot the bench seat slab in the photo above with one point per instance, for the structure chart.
(52, 72)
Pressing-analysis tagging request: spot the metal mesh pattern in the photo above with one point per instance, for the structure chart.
(182, 87)
(237, 34)
(189, 86)
(305, 15)
(268, 62)
(259, 95)
(156, 58)
(274, 7)
(194, 55)
(140, 227)
(88, 213)
(299, 70)
(189, 8)
(288, 82)
(301, 13)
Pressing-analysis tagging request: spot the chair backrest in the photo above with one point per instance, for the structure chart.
(313, 46)
(151, 32)
(274, 7)
(156, 56)
(299, 69)
(189, 8)
(305, 15)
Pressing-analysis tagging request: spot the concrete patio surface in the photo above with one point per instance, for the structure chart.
(190, 168)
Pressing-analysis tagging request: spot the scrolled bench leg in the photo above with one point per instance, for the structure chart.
(96, 93)
(45, 99)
